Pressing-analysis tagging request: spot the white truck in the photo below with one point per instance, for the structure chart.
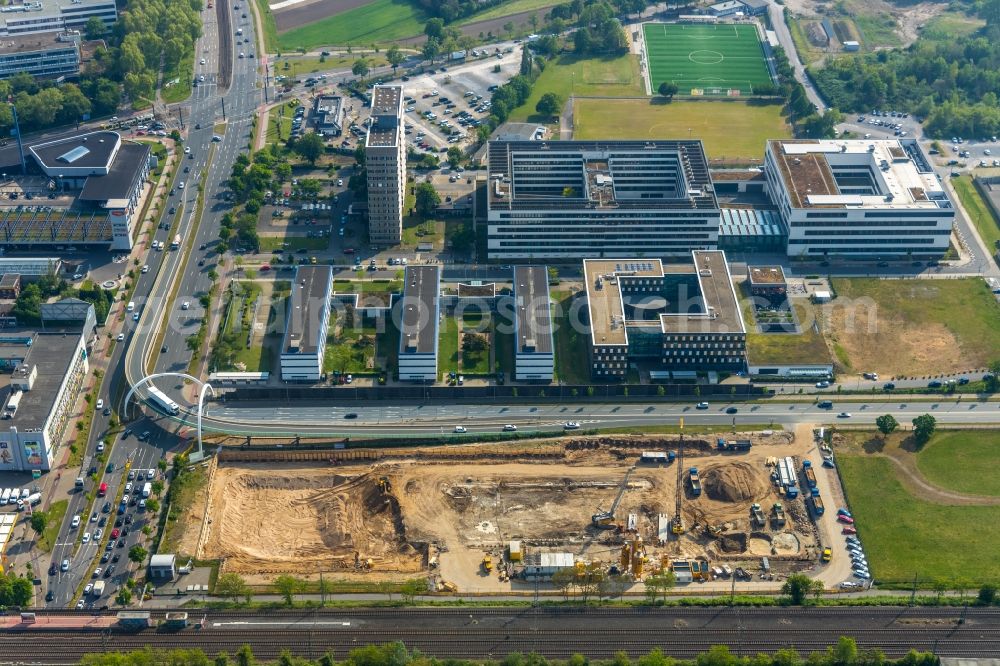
(98, 589)
(147, 490)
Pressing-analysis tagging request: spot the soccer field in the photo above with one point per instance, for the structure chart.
(705, 59)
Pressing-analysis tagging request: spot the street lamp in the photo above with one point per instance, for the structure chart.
(203, 388)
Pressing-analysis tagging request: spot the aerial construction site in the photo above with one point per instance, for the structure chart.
(499, 516)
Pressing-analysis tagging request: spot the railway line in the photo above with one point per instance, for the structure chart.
(554, 632)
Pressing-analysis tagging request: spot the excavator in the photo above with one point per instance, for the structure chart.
(606, 519)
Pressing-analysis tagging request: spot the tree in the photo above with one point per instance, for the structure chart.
(395, 57)
(886, 424)
(39, 520)
(668, 89)
(434, 29)
(288, 587)
(411, 588)
(124, 597)
(923, 428)
(231, 585)
(797, 587)
(659, 584)
(987, 595)
(152, 505)
(310, 147)
(474, 343)
(427, 199)
(137, 554)
(94, 28)
(549, 104)
(563, 579)
(361, 67)
(431, 50)
(157, 487)
(508, 27)
(455, 156)
(21, 591)
(992, 378)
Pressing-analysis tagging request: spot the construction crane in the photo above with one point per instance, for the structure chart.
(678, 527)
(607, 518)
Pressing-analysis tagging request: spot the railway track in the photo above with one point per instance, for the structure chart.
(555, 633)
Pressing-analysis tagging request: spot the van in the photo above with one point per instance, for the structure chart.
(130, 307)
(825, 404)
(79, 482)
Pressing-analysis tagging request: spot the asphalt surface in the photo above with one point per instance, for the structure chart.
(488, 633)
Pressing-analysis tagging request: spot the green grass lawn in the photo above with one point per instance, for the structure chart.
(956, 459)
(56, 512)
(768, 348)
(509, 9)
(954, 325)
(503, 345)
(279, 127)
(292, 243)
(571, 346)
(448, 346)
(807, 52)
(268, 26)
(905, 535)
(185, 490)
(572, 75)
(878, 30)
(705, 57)
(379, 21)
(978, 210)
(181, 90)
(950, 26)
(352, 350)
(366, 286)
(387, 344)
(416, 231)
(476, 363)
(731, 131)
(294, 66)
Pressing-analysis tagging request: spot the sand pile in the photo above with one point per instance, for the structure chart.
(734, 482)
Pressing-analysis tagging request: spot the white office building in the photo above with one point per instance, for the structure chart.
(306, 325)
(533, 355)
(37, 16)
(418, 316)
(861, 199)
(599, 199)
(385, 163)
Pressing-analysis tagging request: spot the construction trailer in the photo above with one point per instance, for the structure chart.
(682, 571)
(515, 551)
(662, 529)
(542, 566)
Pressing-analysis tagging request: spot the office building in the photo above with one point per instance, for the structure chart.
(328, 113)
(420, 311)
(37, 16)
(43, 56)
(666, 317)
(582, 199)
(767, 282)
(306, 324)
(385, 162)
(38, 398)
(533, 355)
(859, 199)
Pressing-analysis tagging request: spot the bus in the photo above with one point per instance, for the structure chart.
(177, 242)
(160, 400)
(103, 490)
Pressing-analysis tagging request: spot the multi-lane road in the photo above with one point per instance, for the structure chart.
(492, 633)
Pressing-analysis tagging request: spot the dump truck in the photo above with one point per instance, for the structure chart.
(695, 481)
(778, 514)
(809, 474)
(733, 445)
(816, 503)
(757, 514)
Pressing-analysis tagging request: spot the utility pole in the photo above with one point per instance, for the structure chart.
(223, 107)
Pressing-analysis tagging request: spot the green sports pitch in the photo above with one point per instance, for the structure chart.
(705, 59)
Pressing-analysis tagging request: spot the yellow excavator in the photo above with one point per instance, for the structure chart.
(487, 564)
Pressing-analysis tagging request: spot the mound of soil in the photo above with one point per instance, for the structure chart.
(734, 482)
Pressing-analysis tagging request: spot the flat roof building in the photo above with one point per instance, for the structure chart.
(42, 56)
(385, 164)
(306, 325)
(37, 16)
(163, 566)
(329, 115)
(858, 198)
(673, 316)
(39, 396)
(581, 199)
(533, 355)
(767, 281)
(420, 312)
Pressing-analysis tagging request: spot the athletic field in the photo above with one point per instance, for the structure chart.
(704, 59)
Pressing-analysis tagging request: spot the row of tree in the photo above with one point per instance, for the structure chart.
(844, 653)
(28, 306)
(953, 84)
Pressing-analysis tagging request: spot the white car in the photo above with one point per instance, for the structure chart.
(571, 425)
(702, 405)
(97, 573)
(822, 385)
(849, 585)
(100, 446)
(87, 590)
(135, 316)
(460, 429)
(145, 268)
(98, 533)
(75, 522)
(201, 79)
(180, 185)
(100, 403)
(510, 427)
(86, 537)
(121, 336)
(844, 415)
(187, 151)
(79, 604)
(186, 305)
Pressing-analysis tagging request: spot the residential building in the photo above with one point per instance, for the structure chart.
(683, 317)
(859, 199)
(577, 199)
(385, 163)
(533, 353)
(38, 400)
(37, 16)
(43, 56)
(328, 113)
(419, 314)
(306, 324)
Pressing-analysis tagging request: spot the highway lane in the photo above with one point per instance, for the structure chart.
(380, 419)
(490, 633)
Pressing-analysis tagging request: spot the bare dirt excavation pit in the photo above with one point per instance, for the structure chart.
(440, 510)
